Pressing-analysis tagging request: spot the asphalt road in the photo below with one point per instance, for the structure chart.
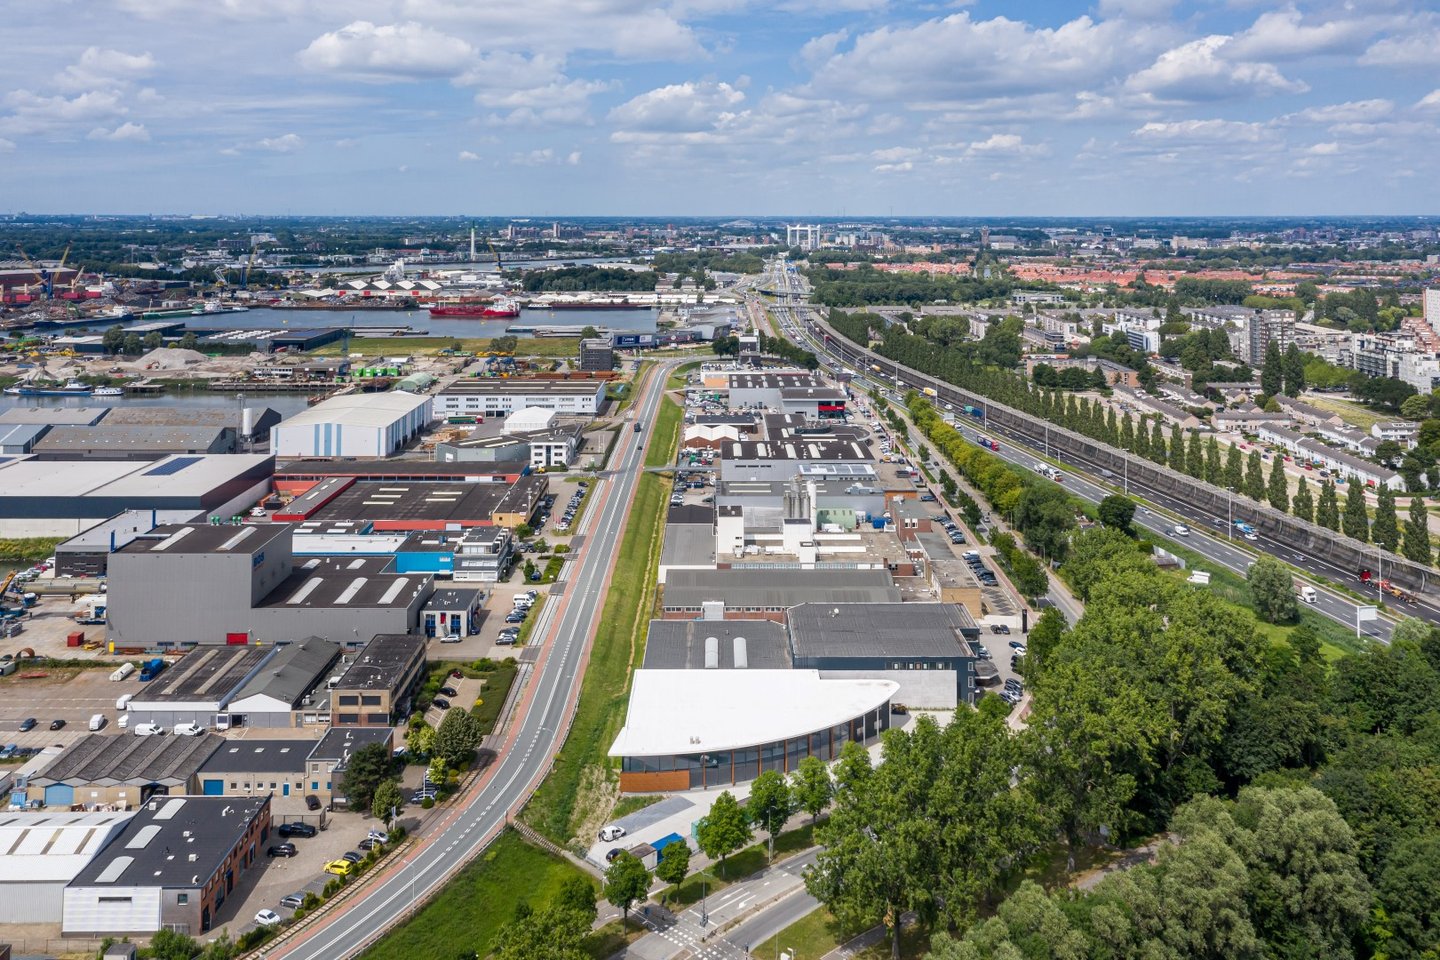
(1211, 537)
(564, 629)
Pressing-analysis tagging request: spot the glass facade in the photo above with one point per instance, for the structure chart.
(724, 768)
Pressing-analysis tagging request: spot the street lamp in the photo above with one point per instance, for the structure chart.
(704, 914)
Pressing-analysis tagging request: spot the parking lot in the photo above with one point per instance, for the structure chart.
(47, 695)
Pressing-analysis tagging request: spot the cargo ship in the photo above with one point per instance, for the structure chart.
(491, 309)
(72, 389)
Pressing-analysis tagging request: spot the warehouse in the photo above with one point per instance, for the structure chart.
(287, 691)
(769, 460)
(142, 883)
(42, 851)
(133, 441)
(241, 584)
(60, 498)
(257, 768)
(18, 439)
(716, 645)
(199, 686)
(695, 729)
(87, 554)
(923, 647)
(353, 425)
(750, 593)
(54, 416)
(499, 397)
(104, 772)
(390, 506)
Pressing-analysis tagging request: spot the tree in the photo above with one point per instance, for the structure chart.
(1416, 545)
(1158, 451)
(153, 340)
(1386, 529)
(1272, 374)
(1273, 590)
(1294, 368)
(1194, 457)
(1303, 506)
(1116, 512)
(1098, 553)
(166, 944)
(1254, 487)
(1044, 517)
(674, 864)
(589, 333)
(577, 894)
(458, 737)
(1410, 892)
(1177, 450)
(1214, 468)
(386, 801)
(626, 881)
(188, 342)
(553, 934)
(1234, 475)
(420, 740)
(1327, 510)
(724, 830)
(1045, 637)
(132, 345)
(369, 767)
(810, 784)
(1356, 522)
(1277, 491)
(113, 341)
(770, 804)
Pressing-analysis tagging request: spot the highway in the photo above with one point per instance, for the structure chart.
(565, 629)
(1209, 536)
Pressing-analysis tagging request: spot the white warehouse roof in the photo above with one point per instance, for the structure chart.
(702, 711)
(50, 847)
(360, 409)
(528, 419)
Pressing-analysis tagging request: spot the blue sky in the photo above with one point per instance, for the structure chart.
(825, 107)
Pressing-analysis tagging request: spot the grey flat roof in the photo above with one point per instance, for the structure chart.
(452, 598)
(125, 527)
(688, 545)
(382, 663)
(205, 673)
(81, 416)
(114, 760)
(207, 538)
(346, 582)
(879, 630)
(681, 644)
(294, 670)
(692, 513)
(339, 742)
(768, 587)
(156, 846)
(123, 437)
(795, 448)
(515, 386)
(13, 433)
(259, 756)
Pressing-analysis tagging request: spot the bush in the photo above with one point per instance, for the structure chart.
(427, 803)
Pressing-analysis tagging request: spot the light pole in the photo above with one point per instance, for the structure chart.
(704, 914)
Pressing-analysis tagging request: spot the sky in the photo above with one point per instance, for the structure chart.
(850, 108)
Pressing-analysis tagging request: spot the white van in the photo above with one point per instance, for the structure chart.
(124, 721)
(1308, 594)
(148, 729)
(188, 730)
(97, 722)
(123, 703)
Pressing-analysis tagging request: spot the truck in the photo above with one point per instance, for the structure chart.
(150, 669)
(929, 392)
(1307, 593)
(975, 412)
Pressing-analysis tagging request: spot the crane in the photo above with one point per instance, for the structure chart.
(245, 274)
(40, 276)
(499, 267)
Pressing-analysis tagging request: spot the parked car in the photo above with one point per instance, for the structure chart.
(456, 674)
(1003, 629)
(267, 917)
(441, 702)
(293, 901)
(612, 853)
(368, 844)
(296, 829)
(612, 832)
(340, 868)
(352, 856)
(379, 836)
(312, 802)
(451, 638)
(283, 850)
(27, 724)
(449, 691)
(57, 724)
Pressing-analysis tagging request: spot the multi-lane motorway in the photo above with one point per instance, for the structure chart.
(565, 630)
(1211, 537)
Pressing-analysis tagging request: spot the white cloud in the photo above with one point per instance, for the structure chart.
(904, 167)
(390, 52)
(33, 113)
(1201, 70)
(99, 68)
(957, 59)
(1430, 101)
(6, 145)
(467, 156)
(689, 107)
(347, 143)
(1354, 111)
(1203, 131)
(535, 158)
(1282, 34)
(1323, 149)
(1414, 47)
(819, 49)
(573, 158)
(126, 131)
(287, 143)
(1005, 145)
(627, 29)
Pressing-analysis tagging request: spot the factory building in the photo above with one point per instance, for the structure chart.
(231, 584)
(499, 397)
(379, 684)
(133, 442)
(173, 867)
(99, 772)
(61, 498)
(596, 353)
(43, 850)
(353, 425)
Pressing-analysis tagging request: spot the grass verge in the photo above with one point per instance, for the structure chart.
(28, 548)
(664, 435)
(526, 347)
(738, 866)
(817, 933)
(529, 623)
(617, 650)
(466, 914)
(632, 803)
(497, 686)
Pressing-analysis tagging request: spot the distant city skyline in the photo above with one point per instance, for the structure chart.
(859, 108)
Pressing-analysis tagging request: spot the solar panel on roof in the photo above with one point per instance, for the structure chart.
(171, 467)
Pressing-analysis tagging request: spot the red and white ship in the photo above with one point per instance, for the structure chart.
(499, 308)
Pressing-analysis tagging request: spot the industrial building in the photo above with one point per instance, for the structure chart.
(325, 767)
(353, 425)
(768, 460)
(18, 439)
(769, 593)
(716, 645)
(552, 447)
(377, 687)
(99, 772)
(241, 584)
(61, 498)
(173, 867)
(43, 850)
(441, 502)
(258, 768)
(497, 397)
(87, 554)
(132, 441)
(597, 353)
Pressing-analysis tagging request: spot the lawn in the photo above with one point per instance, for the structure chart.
(469, 910)
(557, 808)
(553, 347)
(1352, 413)
(818, 933)
(664, 435)
(530, 621)
(739, 865)
(497, 686)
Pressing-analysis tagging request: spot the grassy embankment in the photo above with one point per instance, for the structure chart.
(582, 780)
(30, 549)
(553, 347)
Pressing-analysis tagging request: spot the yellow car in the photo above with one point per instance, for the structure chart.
(341, 868)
